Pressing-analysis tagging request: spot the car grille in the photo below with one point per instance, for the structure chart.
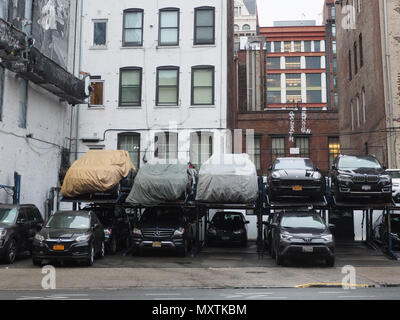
(157, 233)
(372, 178)
(299, 182)
(369, 178)
(359, 179)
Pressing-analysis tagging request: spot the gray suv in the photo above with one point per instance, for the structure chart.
(301, 233)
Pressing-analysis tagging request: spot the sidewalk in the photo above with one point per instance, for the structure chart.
(115, 278)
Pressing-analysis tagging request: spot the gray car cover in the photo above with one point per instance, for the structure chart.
(228, 178)
(159, 182)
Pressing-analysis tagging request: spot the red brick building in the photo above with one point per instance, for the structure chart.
(284, 96)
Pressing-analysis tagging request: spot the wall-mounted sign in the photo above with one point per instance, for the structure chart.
(295, 151)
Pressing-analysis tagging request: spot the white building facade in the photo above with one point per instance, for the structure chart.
(159, 73)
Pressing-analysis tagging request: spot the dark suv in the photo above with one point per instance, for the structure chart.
(294, 178)
(297, 233)
(164, 228)
(18, 226)
(361, 177)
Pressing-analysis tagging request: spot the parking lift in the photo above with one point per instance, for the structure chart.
(16, 189)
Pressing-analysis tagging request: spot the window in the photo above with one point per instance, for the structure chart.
(246, 27)
(269, 46)
(358, 111)
(277, 148)
(287, 46)
(293, 88)
(273, 88)
(364, 106)
(237, 11)
(204, 25)
(361, 50)
(166, 145)
(201, 148)
(355, 58)
(169, 27)
(100, 33)
(314, 87)
(307, 46)
(334, 64)
(292, 63)
(313, 62)
(297, 46)
(277, 46)
(333, 12)
(254, 150)
(130, 87)
(334, 30)
(334, 47)
(203, 85)
(236, 27)
(350, 68)
(167, 86)
(336, 99)
(334, 150)
(317, 46)
(130, 141)
(1, 91)
(273, 63)
(23, 103)
(303, 143)
(96, 97)
(352, 114)
(133, 28)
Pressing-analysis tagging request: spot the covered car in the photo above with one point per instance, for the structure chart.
(97, 171)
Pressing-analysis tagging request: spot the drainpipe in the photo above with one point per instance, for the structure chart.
(389, 84)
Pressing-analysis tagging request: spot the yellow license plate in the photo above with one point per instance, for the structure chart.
(297, 188)
(156, 244)
(58, 247)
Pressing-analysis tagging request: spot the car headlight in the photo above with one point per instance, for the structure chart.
(286, 236)
(3, 233)
(275, 175)
(107, 232)
(179, 232)
(212, 231)
(385, 177)
(82, 238)
(327, 237)
(317, 175)
(39, 237)
(240, 231)
(137, 232)
(344, 176)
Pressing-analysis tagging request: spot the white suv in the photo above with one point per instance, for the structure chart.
(395, 174)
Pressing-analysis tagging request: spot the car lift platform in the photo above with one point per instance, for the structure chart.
(297, 204)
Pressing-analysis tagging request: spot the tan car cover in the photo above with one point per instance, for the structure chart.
(96, 171)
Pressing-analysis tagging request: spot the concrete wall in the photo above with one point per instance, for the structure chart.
(107, 61)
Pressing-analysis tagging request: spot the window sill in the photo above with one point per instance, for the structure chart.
(168, 47)
(99, 47)
(203, 106)
(204, 45)
(132, 47)
(129, 107)
(96, 107)
(167, 106)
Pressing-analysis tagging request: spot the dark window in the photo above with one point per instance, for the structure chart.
(273, 63)
(169, 27)
(277, 46)
(166, 145)
(292, 63)
(313, 62)
(297, 46)
(334, 150)
(269, 46)
(133, 28)
(255, 152)
(317, 46)
(96, 97)
(130, 86)
(314, 87)
(303, 143)
(130, 141)
(278, 148)
(307, 46)
(1, 91)
(167, 86)
(361, 51)
(355, 58)
(100, 33)
(287, 46)
(201, 147)
(204, 25)
(202, 85)
(350, 68)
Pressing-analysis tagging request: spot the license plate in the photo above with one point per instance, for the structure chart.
(308, 249)
(366, 188)
(225, 238)
(156, 244)
(58, 247)
(297, 188)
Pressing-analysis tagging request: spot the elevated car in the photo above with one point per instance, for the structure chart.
(395, 175)
(301, 233)
(293, 178)
(163, 228)
(70, 235)
(360, 177)
(227, 228)
(18, 226)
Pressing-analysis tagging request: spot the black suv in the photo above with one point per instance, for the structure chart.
(164, 228)
(18, 226)
(117, 226)
(70, 235)
(227, 227)
(294, 178)
(298, 233)
(361, 177)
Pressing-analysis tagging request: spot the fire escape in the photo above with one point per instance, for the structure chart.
(18, 55)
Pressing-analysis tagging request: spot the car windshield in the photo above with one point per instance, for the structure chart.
(308, 221)
(162, 216)
(394, 174)
(221, 219)
(8, 216)
(285, 164)
(352, 163)
(68, 221)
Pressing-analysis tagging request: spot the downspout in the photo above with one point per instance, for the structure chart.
(80, 65)
(389, 84)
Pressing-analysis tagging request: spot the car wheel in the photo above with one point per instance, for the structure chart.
(330, 262)
(90, 259)
(11, 251)
(37, 262)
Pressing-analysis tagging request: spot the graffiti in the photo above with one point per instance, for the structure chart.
(292, 126)
(11, 39)
(304, 122)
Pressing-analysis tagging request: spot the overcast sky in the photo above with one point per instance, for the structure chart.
(273, 10)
